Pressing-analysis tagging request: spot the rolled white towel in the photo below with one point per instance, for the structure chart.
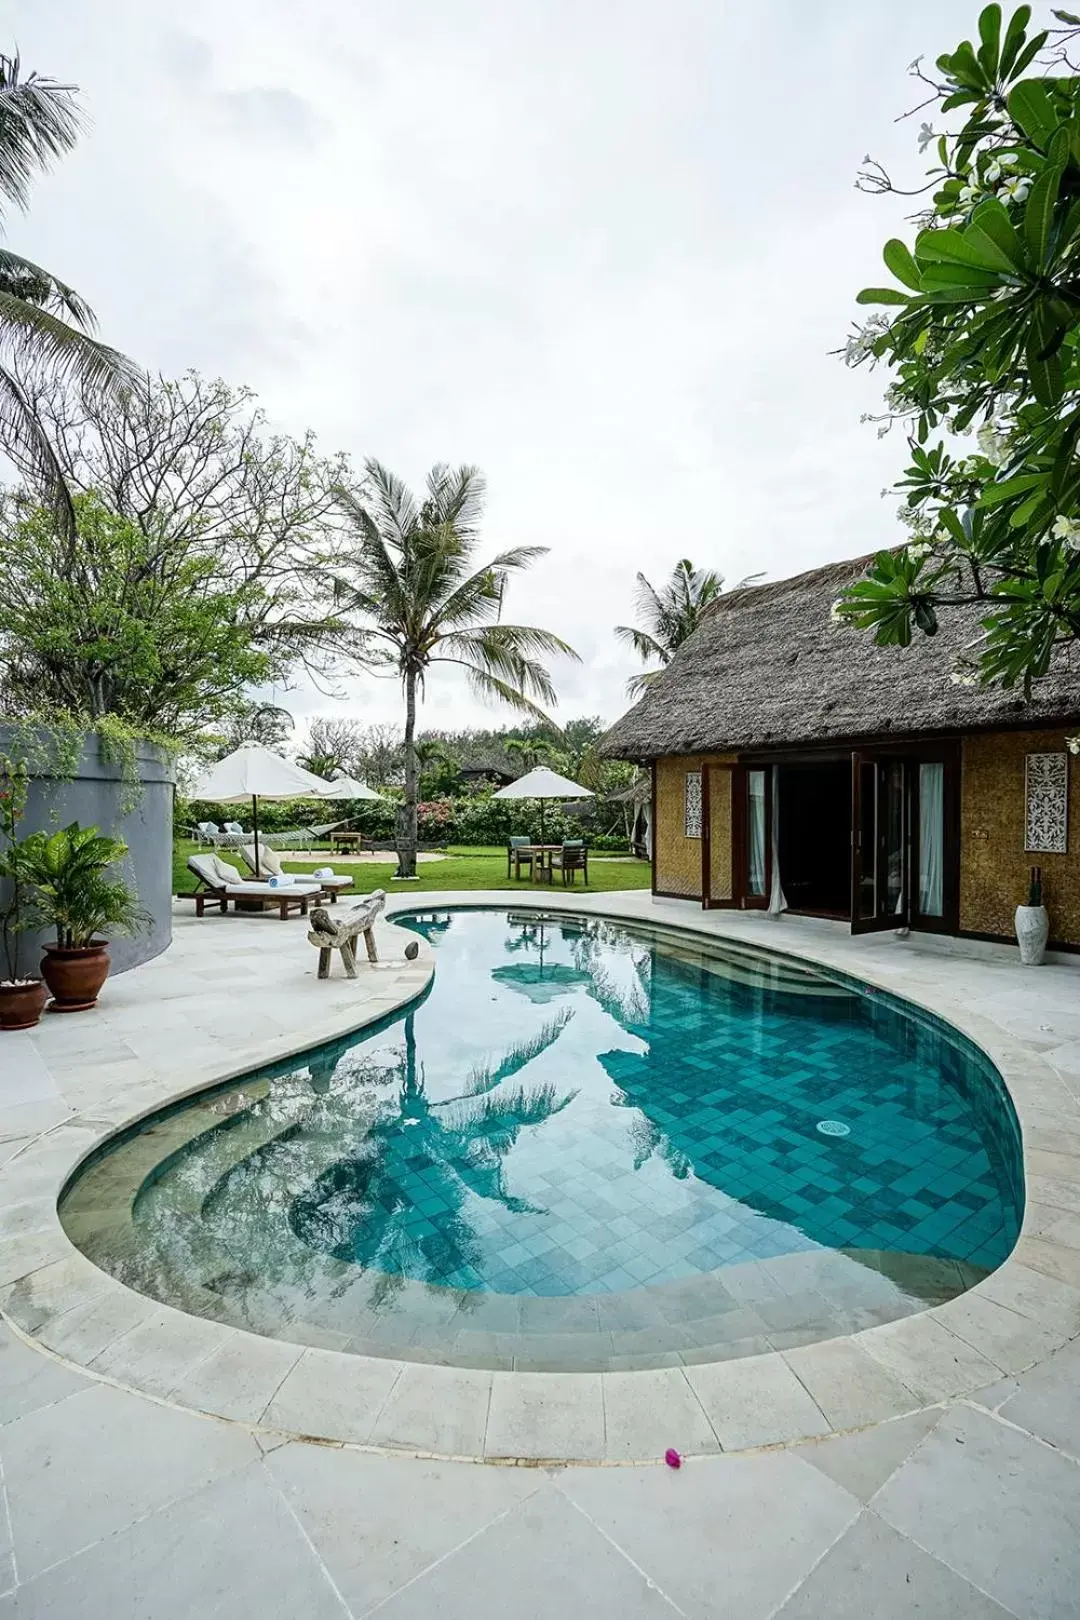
(324, 872)
(281, 880)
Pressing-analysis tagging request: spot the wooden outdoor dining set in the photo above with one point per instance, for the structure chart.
(542, 861)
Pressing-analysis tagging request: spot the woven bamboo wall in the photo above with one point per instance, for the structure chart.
(678, 858)
(993, 862)
(720, 851)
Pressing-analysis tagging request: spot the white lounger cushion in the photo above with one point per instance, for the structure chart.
(269, 859)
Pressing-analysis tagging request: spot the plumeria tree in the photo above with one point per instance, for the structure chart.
(982, 336)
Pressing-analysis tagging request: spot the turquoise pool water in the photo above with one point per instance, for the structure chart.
(628, 1141)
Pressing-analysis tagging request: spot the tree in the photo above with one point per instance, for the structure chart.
(669, 615)
(92, 629)
(412, 586)
(333, 746)
(440, 770)
(984, 336)
(529, 752)
(43, 322)
(263, 723)
(196, 566)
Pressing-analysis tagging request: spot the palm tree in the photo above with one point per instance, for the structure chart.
(44, 324)
(413, 584)
(670, 616)
(530, 751)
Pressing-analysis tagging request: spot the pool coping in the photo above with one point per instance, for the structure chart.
(57, 1300)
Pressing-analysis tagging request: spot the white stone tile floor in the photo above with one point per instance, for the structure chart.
(123, 1506)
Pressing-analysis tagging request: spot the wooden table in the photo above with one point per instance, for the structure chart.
(343, 840)
(539, 856)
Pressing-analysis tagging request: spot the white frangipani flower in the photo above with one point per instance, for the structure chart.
(968, 194)
(1016, 189)
(1073, 744)
(835, 614)
(1068, 530)
(993, 443)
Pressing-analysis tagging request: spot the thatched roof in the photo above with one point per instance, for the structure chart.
(769, 668)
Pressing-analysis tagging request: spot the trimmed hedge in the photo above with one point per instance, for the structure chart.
(476, 819)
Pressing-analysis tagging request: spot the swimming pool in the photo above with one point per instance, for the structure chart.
(590, 1145)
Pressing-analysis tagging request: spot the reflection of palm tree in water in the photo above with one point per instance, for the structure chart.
(365, 1208)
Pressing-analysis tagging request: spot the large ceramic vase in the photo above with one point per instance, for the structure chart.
(75, 977)
(22, 1004)
(1032, 932)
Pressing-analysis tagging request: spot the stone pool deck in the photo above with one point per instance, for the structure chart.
(927, 1466)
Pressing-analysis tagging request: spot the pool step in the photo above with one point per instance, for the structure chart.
(785, 978)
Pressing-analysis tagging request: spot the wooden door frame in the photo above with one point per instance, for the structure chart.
(911, 755)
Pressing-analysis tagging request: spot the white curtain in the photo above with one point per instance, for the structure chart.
(931, 838)
(647, 811)
(777, 902)
(756, 840)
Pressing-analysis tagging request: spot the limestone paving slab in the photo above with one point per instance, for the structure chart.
(285, 1010)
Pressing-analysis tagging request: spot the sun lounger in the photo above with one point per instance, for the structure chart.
(269, 865)
(220, 883)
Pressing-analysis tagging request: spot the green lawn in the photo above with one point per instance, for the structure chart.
(462, 869)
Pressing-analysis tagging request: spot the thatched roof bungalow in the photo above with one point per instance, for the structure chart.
(795, 764)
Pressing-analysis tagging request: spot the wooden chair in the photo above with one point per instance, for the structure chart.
(571, 859)
(518, 854)
(328, 935)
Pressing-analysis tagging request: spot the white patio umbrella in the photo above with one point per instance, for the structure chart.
(542, 784)
(254, 772)
(347, 787)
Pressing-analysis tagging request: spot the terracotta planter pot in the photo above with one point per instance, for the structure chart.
(75, 977)
(21, 1005)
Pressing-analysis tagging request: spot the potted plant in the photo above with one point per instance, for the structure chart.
(72, 893)
(1032, 922)
(21, 1000)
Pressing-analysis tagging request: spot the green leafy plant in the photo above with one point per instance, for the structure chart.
(14, 786)
(984, 334)
(72, 893)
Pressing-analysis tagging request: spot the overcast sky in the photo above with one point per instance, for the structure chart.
(602, 248)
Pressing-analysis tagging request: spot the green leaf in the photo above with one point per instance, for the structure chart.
(990, 35)
(952, 246)
(1030, 107)
(1030, 52)
(1068, 17)
(882, 295)
(991, 234)
(936, 276)
(964, 66)
(1044, 370)
(959, 98)
(1039, 211)
(1014, 39)
(898, 258)
(994, 494)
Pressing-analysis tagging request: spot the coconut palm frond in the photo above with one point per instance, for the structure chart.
(24, 279)
(39, 122)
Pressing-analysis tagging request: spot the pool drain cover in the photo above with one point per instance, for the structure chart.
(833, 1127)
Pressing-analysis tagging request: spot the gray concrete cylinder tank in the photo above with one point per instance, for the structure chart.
(95, 794)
